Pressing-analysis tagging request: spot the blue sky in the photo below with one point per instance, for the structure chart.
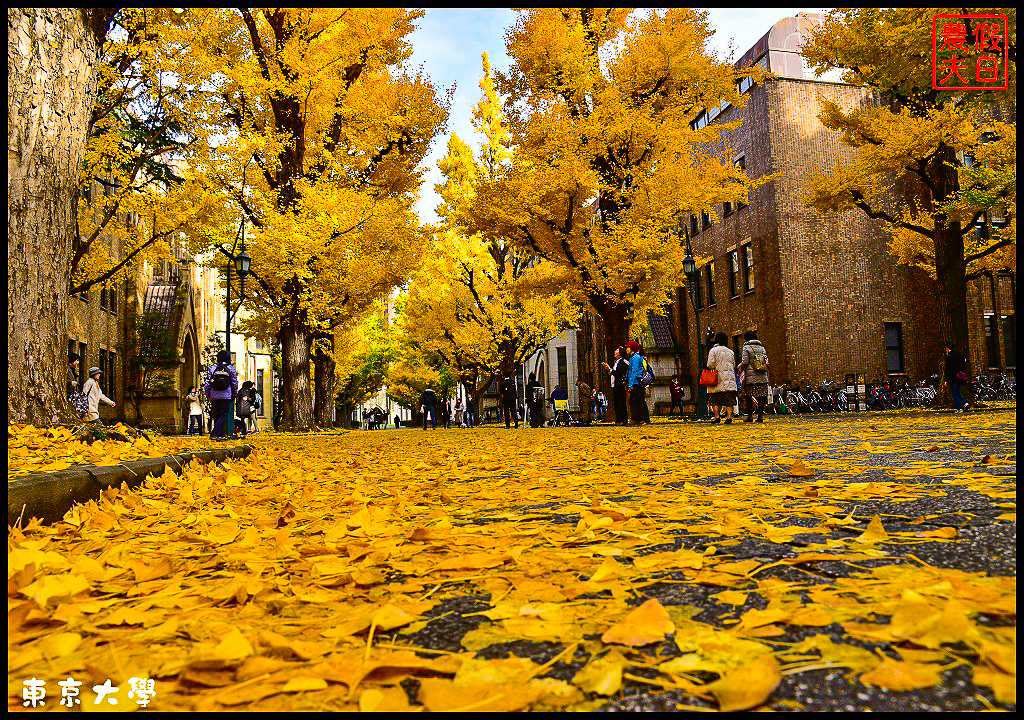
(448, 42)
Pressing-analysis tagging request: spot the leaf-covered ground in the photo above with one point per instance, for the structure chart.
(823, 564)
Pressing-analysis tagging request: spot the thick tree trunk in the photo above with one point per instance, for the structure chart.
(323, 382)
(616, 321)
(950, 261)
(52, 63)
(296, 345)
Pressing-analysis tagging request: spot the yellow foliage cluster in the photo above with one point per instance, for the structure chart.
(605, 160)
(322, 571)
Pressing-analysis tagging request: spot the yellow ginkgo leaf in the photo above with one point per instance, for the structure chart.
(646, 624)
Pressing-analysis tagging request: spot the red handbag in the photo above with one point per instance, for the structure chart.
(708, 377)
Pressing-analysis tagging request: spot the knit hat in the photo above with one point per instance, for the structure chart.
(93, 371)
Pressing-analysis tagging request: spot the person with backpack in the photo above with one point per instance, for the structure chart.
(508, 401)
(221, 387)
(754, 365)
(428, 404)
(95, 395)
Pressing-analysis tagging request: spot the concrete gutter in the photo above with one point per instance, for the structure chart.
(48, 496)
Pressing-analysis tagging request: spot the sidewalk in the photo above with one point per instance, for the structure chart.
(48, 496)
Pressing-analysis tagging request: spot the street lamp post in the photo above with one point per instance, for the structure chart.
(690, 270)
(242, 264)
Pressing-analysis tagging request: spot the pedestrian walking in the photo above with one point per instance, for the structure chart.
(722, 360)
(470, 411)
(243, 408)
(618, 372)
(257, 407)
(602, 405)
(637, 392)
(428, 406)
(195, 411)
(78, 399)
(460, 412)
(586, 398)
(676, 391)
(535, 401)
(446, 413)
(221, 387)
(508, 401)
(754, 365)
(95, 395)
(955, 375)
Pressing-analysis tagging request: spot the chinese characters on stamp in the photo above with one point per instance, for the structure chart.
(970, 52)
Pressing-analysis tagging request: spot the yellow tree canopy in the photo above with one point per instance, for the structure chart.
(605, 159)
(479, 301)
(137, 195)
(316, 110)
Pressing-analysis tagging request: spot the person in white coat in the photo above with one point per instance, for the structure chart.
(723, 395)
(95, 395)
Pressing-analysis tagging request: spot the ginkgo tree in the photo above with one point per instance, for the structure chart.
(931, 163)
(320, 102)
(479, 301)
(600, 102)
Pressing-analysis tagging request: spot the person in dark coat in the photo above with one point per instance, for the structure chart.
(535, 401)
(508, 401)
(619, 372)
(955, 375)
(428, 403)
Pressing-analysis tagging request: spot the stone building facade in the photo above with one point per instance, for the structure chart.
(822, 290)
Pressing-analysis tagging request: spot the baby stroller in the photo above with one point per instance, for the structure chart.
(562, 413)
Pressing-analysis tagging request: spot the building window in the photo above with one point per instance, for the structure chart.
(992, 341)
(727, 208)
(697, 291)
(103, 297)
(111, 373)
(737, 345)
(744, 84)
(103, 367)
(734, 273)
(748, 261)
(112, 301)
(83, 365)
(710, 270)
(741, 163)
(1010, 340)
(260, 390)
(694, 228)
(894, 346)
(705, 218)
(563, 368)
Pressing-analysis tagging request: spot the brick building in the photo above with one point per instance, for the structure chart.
(823, 291)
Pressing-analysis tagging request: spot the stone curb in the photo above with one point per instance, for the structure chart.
(48, 496)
